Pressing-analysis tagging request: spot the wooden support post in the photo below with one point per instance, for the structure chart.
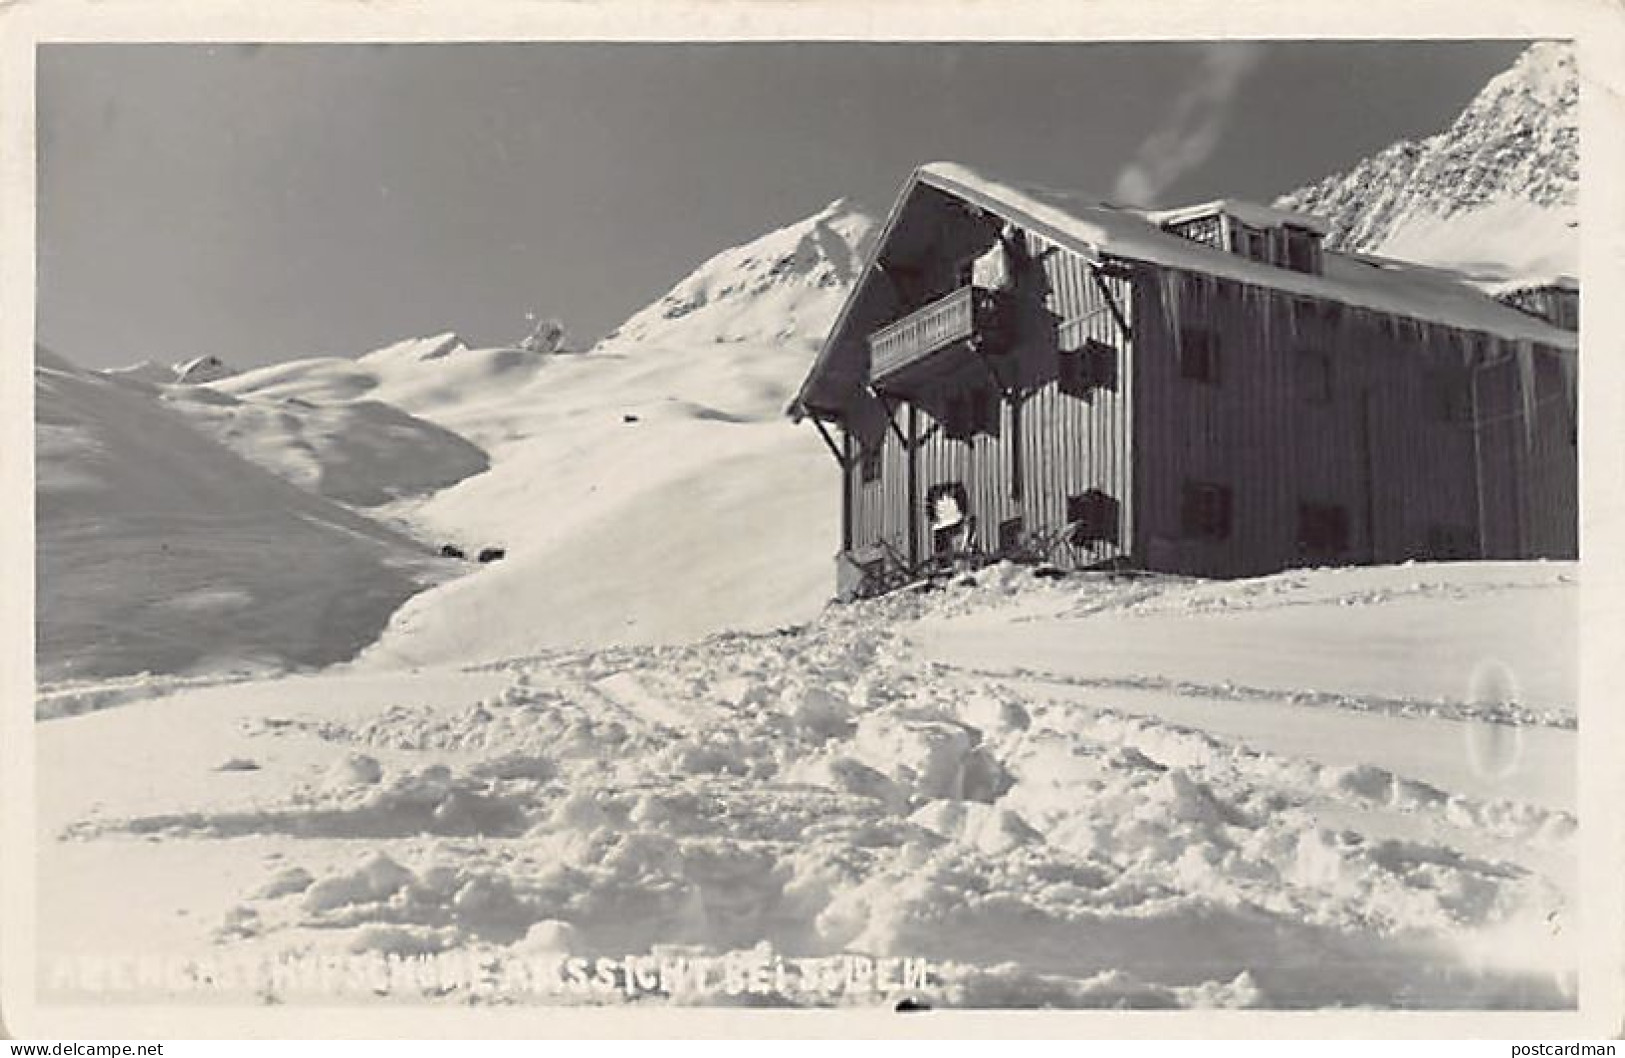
(891, 417)
(1111, 302)
(1016, 467)
(911, 448)
(840, 457)
(846, 492)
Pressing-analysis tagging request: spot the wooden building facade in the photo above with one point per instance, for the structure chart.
(1207, 392)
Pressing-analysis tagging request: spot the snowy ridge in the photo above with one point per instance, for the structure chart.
(1494, 195)
(364, 453)
(145, 371)
(161, 550)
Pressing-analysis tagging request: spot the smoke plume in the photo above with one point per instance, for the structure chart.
(1194, 125)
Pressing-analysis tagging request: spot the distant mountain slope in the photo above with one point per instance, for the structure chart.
(651, 489)
(1495, 195)
(158, 550)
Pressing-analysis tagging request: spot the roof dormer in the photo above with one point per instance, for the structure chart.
(1555, 299)
(1273, 236)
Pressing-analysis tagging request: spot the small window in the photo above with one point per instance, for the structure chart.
(1323, 528)
(1198, 354)
(1315, 376)
(1252, 242)
(1450, 395)
(1092, 367)
(1010, 533)
(871, 461)
(1204, 511)
(1093, 517)
(1452, 542)
(1302, 251)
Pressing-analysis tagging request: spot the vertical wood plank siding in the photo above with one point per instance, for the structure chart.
(1417, 476)
(1069, 444)
(1411, 476)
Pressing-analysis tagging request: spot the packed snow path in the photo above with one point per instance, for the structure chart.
(834, 789)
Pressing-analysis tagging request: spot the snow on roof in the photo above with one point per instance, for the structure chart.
(1247, 212)
(1519, 284)
(1383, 286)
(1087, 227)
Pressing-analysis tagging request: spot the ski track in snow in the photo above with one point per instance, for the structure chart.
(827, 789)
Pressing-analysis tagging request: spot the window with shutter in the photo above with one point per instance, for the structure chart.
(1091, 367)
(871, 461)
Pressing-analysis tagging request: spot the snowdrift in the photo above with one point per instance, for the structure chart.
(1054, 836)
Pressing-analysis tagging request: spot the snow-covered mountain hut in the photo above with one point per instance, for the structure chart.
(1207, 391)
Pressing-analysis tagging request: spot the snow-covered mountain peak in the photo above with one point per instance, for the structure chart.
(1545, 73)
(784, 285)
(434, 347)
(1494, 195)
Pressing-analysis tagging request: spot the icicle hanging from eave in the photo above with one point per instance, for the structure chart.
(1173, 306)
(1524, 350)
(1569, 364)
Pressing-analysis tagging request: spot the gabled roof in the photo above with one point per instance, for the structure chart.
(1100, 232)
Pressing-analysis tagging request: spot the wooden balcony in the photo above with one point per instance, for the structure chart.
(963, 319)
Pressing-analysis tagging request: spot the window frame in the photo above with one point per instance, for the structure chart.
(1199, 522)
(1199, 355)
(1086, 368)
(1317, 375)
(1302, 247)
(871, 461)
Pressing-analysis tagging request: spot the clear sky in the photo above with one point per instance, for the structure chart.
(275, 201)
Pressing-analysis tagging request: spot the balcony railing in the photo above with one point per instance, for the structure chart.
(966, 313)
